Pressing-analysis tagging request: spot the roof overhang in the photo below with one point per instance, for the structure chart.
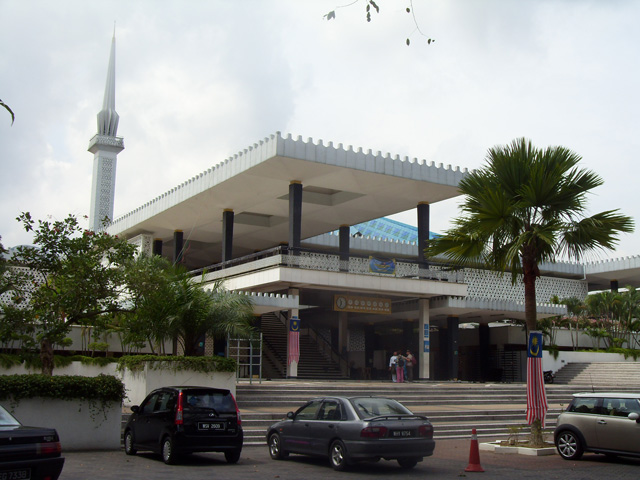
(340, 187)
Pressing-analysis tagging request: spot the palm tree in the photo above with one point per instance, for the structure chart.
(215, 312)
(524, 207)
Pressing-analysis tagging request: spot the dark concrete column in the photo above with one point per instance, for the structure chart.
(345, 238)
(178, 244)
(295, 215)
(157, 247)
(227, 235)
(613, 285)
(369, 347)
(484, 342)
(423, 233)
(453, 334)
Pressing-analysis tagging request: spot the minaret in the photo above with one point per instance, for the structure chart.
(105, 147)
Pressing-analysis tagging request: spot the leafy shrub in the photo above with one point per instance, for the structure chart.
(136, 363)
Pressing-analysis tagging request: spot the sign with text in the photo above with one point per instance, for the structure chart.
(352, 303)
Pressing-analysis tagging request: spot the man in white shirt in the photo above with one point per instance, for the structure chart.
(393, 363)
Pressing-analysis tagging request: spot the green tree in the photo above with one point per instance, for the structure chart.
(576, 311)
(526, 206)
(82, 278)
(172, 304)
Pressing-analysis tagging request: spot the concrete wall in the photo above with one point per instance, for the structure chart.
(79, 425)
(139, 384)
(551, 363)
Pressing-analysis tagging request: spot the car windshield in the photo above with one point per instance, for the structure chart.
(6, 419)
(367, 407)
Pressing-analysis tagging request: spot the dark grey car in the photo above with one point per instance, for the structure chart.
(349, 430)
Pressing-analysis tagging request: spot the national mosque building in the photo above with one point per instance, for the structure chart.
(300, 226)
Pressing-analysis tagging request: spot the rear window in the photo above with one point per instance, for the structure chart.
(6, 419)
(207, 399)
(372, 407)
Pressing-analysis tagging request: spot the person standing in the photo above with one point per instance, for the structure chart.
(411, 361)
(401, 362)
(393, 364)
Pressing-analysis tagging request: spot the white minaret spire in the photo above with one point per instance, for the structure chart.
(105, 147)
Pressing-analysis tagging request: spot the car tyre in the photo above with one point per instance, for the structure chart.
(338, 456)
(128, 443)
(169, 455)
(407, 462)
(275, 447)
(232, 456)
(569, 445)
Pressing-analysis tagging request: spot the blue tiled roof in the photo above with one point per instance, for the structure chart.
(388, 229)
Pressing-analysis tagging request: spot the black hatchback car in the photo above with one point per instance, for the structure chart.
(28, 453)
(176, 420)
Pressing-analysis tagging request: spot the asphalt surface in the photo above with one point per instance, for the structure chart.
(450, 459)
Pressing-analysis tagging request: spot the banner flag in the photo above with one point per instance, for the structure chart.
(537, 405)
(294, 340)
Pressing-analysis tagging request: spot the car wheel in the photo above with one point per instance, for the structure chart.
(169, 455)
(569, 445)
(232, 456)
(338, 456)
(128, 443)
(275, 447)
(407, 462)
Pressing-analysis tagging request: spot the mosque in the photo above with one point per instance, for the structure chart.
(300, 225)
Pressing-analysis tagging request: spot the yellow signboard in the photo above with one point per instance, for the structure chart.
(352, 303)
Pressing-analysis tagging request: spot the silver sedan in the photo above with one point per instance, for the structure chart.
(354, 429)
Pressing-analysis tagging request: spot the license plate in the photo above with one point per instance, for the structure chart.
(210, 426)
(24, 474)
(401, 433)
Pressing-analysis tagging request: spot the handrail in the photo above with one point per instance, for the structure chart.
(325, 346)
(289, 255)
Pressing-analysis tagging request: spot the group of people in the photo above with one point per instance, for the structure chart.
(401, 366)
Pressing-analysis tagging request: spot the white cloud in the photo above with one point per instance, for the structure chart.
(198, 81)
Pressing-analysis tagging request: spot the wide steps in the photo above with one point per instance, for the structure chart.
(494, 410)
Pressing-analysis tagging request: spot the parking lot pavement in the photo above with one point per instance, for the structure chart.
(449, 461)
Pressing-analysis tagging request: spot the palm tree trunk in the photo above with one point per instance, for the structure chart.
(530, 310)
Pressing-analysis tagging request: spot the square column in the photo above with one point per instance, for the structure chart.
(177, 246)
(295, 215)
(293, 337)
(424, 353)
(227, 235)
(453, 359)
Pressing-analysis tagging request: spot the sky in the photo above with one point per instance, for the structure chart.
(200, 80)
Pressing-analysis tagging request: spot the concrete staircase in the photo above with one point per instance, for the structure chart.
(312, 363)
(495, 410)
(613, 375)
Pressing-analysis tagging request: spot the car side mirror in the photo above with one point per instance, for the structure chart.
(135, 409)
(634, 416)
(290, 415)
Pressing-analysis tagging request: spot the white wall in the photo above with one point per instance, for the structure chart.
(79, 426)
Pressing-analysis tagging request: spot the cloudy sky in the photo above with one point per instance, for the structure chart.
(197, 81)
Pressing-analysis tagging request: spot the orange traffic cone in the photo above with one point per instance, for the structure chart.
(474, 455)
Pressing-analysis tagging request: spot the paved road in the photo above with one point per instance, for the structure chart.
(449, 461)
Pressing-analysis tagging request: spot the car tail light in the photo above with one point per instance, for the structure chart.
(373, 432)
(49, 448)
(237, 410)
(179, 411)
(425, 431)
